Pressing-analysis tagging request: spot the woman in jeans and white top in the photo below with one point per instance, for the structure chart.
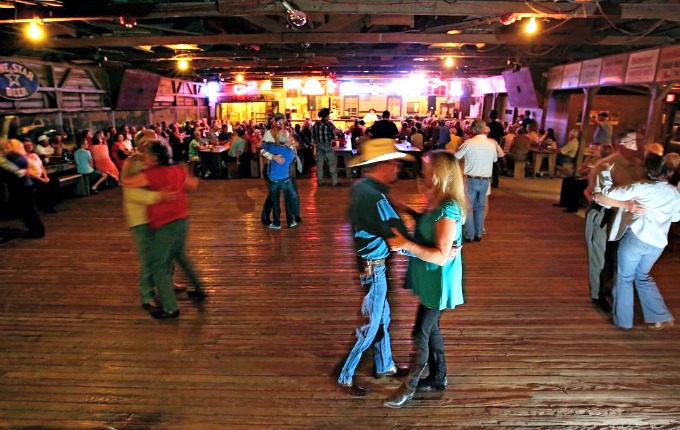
(642, 240)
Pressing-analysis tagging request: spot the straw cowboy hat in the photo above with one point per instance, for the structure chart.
(654, 148)
(376, 151)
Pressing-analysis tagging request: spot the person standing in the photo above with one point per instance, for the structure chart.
(323, 133)
(373, 216)
(479, 153)
(642, 240)
(496, 132)
(384, 129)
(603, 130)
(433, 276)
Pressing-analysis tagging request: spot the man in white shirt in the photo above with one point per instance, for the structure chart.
(43, 148)
(479, 154)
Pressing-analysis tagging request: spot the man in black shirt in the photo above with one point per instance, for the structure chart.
(384, 128)
(496, 132)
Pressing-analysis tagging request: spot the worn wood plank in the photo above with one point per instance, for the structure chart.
(527, 350)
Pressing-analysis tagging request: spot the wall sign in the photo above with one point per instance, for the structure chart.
(614, 69)
(17, 82)
(571, 75)
(669, 64)
(590, 73)
(642, 66)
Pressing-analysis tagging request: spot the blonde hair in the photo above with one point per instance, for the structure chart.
(447, 178)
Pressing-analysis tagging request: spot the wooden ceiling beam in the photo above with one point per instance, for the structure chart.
(342, 38)
(266, 23)
(472, 8)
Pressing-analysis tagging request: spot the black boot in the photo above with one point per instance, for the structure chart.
(407, 390)
(436, 380)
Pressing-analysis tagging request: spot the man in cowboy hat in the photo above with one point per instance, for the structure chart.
(323, 133)
(372, 216)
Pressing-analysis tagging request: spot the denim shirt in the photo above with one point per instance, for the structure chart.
(372, 217)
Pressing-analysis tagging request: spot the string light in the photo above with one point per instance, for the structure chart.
(34, 31)
(531, 26)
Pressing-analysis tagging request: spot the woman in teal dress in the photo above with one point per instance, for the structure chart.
(433, 275)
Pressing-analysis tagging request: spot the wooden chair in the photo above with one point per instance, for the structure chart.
(520, 169)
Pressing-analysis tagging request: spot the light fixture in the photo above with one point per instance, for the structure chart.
(183, 64)
(295, 16)
(453, 32)
(34, 30)
(239, 78)
(448, 62)
(531, 26)
(509, 18)
(127, 21)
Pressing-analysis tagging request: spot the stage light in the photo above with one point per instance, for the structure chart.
(531, 26)
(239, 78)
(34, 31)
(448, 62)
(183, 64)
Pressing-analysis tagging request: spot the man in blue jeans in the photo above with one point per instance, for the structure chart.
(479, 153)
(372, 217)
(279, 180)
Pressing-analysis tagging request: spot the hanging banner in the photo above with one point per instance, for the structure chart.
(571, 75)
(555, 78)
(17, 82)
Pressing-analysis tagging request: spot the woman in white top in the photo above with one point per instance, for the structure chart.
(642, 240)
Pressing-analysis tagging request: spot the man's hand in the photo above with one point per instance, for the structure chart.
(635, 208)
(278, 158)
(168, 196)
(607, 166)
(397, 242)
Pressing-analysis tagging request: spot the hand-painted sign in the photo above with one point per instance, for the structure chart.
(17, 82)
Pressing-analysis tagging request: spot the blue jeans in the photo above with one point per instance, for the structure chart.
(636, 259)
(476, 193)
(275, 189)
(376, 308)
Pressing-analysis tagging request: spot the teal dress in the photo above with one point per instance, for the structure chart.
(439, 287)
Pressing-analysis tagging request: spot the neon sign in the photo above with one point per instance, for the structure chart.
(248, 87)
(266, 86)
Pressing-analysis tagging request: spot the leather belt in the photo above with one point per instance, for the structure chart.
(477, 177)
(366, 266)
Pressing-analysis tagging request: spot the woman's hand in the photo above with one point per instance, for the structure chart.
(397, 242)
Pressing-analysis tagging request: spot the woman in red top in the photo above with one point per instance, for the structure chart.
(168, 221)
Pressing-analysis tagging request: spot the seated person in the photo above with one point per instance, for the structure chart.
(196, 145)
(573, 186)
(43, 148)
(120, 150)
(568, 152)
(58, 146)
(417, 137)
(225, 135)
(102, 158)
(518, 151)
(85, 166)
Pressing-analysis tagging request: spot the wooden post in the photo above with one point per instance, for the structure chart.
(653, 127)
(544, 115)
(589, 94)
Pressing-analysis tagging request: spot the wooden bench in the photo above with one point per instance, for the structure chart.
(80, 182)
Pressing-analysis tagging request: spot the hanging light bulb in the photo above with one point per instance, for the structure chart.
(34, 31)
(448, 62)
(183, 64)
(239, 78)
(296, 17)
(531, 26)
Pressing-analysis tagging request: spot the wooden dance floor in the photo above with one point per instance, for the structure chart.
(527, 350)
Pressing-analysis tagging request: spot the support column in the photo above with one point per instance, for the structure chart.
(653, 127)
(589, 95)
(544, 115)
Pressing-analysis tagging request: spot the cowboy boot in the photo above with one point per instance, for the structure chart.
(436, 380)
(407, 390)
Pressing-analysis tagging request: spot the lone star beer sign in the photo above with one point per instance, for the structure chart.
(17, 82)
